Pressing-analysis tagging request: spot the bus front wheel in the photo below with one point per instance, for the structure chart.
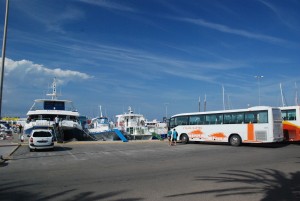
(184, 138)
(235, 140)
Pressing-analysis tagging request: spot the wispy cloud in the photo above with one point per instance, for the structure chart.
(138, 63)
(285, 19)
(229, 30)
(109, 5)
(52, 16)
(57, 21)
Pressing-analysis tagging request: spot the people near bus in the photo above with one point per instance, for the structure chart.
(169, 135)
(174, 136)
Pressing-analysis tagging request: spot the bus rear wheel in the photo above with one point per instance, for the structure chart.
(184, 138)
(235, 140)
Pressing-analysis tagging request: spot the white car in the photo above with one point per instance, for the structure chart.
(41, 139)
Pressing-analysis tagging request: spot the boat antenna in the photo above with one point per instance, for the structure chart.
(130, 110)
(54, 94)
(100, 111)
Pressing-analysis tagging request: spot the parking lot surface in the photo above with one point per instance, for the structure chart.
(153, 171)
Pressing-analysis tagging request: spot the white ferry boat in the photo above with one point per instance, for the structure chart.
(44, 111)
(133, 125)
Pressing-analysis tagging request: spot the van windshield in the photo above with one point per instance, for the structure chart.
(42, 134)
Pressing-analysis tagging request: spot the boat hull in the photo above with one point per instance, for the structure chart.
(73, 134)
(104, 136)
(140, 137)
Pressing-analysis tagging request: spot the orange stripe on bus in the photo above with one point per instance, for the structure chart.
(250, 130)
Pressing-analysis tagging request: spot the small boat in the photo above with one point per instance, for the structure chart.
(101, 129)
(157, 128)
(133, 125)
(43, 112)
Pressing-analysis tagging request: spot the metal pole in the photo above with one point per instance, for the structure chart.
(166, 110)
(258, 77)
(3, 56)
(199, 105)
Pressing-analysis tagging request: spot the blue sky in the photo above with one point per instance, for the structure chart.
(158, 56)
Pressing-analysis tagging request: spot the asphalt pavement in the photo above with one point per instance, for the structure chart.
(8, 146)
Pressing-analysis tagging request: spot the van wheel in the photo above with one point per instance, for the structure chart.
(235, 140)
(184, 138)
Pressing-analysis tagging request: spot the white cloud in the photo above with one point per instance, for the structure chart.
(28, 68)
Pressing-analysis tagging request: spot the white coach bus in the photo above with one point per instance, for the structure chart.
(261, 124)
(291, 123)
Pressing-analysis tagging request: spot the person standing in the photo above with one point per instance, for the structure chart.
(174, 136)
(20, 128)
(169, 135)
(56, 121)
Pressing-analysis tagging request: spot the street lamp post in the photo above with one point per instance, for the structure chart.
(3, 55)
(166, 104)
(258, 77)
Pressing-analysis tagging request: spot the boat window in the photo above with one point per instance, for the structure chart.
(54, 105)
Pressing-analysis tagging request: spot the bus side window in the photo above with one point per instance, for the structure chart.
(219, 119)
(291, 114)
(262, 117)
(227, 118)
(292, 118)
(240, 118)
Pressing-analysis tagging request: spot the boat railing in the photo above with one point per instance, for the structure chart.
(41, 107)
(44, 122)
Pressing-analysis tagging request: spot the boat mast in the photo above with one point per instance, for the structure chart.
(199, 105)
(205, 103)
(100, 111)
(282, 96)
(296, 96)
(54, 94)
(223, 91)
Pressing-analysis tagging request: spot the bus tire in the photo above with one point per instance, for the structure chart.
(184, 138)
(235, 140)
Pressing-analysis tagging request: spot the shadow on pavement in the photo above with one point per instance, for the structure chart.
(272, 184)
(13, 191)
